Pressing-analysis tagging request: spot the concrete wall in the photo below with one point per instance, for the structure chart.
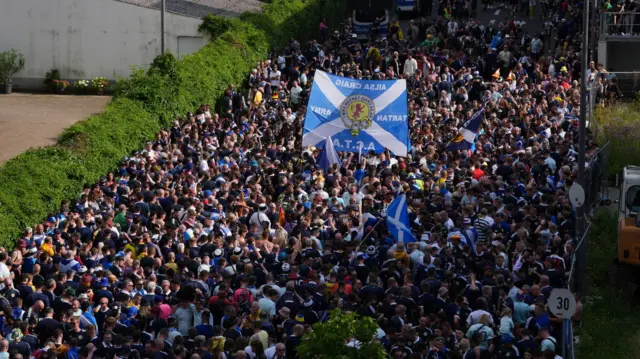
(85, 39)
(602, 52)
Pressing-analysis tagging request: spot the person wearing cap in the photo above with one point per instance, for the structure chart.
(260, 217)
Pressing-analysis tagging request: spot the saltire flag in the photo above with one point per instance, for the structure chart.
(398, 220)
(359, 115)
(328, 156)
(466, 137)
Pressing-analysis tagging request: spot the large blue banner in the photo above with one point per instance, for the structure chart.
(356, 114)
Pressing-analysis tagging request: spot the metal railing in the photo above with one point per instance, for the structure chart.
(595, 192)
(623, 23)
(613, 87)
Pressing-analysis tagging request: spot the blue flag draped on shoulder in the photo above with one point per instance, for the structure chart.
(365, 115)
(398, 220)
(328, 156)
(466, 137)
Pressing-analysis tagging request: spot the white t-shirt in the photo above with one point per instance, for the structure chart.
(270, 352)
(274, 78)
(4, 273)
(474, 317)
(261, 219)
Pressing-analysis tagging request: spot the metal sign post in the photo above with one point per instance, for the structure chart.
(562, 304)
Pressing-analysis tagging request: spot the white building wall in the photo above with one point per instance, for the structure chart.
(85, 39)
(602, 53)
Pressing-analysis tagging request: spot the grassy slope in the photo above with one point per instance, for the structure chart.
(611, 327)
(611, 324)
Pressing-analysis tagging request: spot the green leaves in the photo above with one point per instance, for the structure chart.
(214, 26)
(11, 62)
(329, 340)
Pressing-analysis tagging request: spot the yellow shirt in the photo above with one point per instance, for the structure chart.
(132, 248)
(257, 99)
(373, 54)
(47, 248)
(402, 256)
(173, 266)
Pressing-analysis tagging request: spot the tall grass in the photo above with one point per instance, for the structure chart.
(620, 125)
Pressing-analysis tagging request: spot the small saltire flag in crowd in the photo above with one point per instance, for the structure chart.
(398, 220)
(466, 137)
(328, 156)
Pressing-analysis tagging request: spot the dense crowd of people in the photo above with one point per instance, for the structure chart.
(223, 238)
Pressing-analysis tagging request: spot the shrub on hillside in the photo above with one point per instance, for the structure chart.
(33, 184)
(214, 26)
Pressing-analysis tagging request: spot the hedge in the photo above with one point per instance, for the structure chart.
(33, 184)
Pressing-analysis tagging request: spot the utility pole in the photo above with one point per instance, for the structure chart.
(582, 181)
(162, 36)
(594, 28)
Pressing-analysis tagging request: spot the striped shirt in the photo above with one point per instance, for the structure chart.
(483, 226)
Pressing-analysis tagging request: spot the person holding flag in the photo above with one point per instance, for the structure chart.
(328, 156)
(398, 220)
(465, 139)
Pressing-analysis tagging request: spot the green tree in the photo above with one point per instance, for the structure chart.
(329, 340)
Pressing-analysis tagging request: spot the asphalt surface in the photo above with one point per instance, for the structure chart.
(489, 17)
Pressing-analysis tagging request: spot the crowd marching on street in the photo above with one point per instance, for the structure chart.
(223, 238)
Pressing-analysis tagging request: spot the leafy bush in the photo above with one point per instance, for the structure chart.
(214, 26)
(11, 62)
(50, 76)
(33, 184)
(329, 340)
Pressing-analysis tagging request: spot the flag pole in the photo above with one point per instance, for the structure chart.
(368, 234)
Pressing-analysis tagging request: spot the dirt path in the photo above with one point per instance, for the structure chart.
(36, 120)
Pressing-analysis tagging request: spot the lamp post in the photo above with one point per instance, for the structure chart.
(582, 181)
(162, 35)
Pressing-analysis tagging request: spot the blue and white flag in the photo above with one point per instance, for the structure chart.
(328, 156)
(398, 220)
(359, 115)
(466, 137)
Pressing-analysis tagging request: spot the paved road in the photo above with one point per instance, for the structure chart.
(37, 120)
(495, 16)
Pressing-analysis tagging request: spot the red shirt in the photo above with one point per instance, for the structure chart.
(478, 173)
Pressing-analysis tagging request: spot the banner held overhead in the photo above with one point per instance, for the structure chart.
(358, 114)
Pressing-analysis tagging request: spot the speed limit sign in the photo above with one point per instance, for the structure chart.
(562, 303)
